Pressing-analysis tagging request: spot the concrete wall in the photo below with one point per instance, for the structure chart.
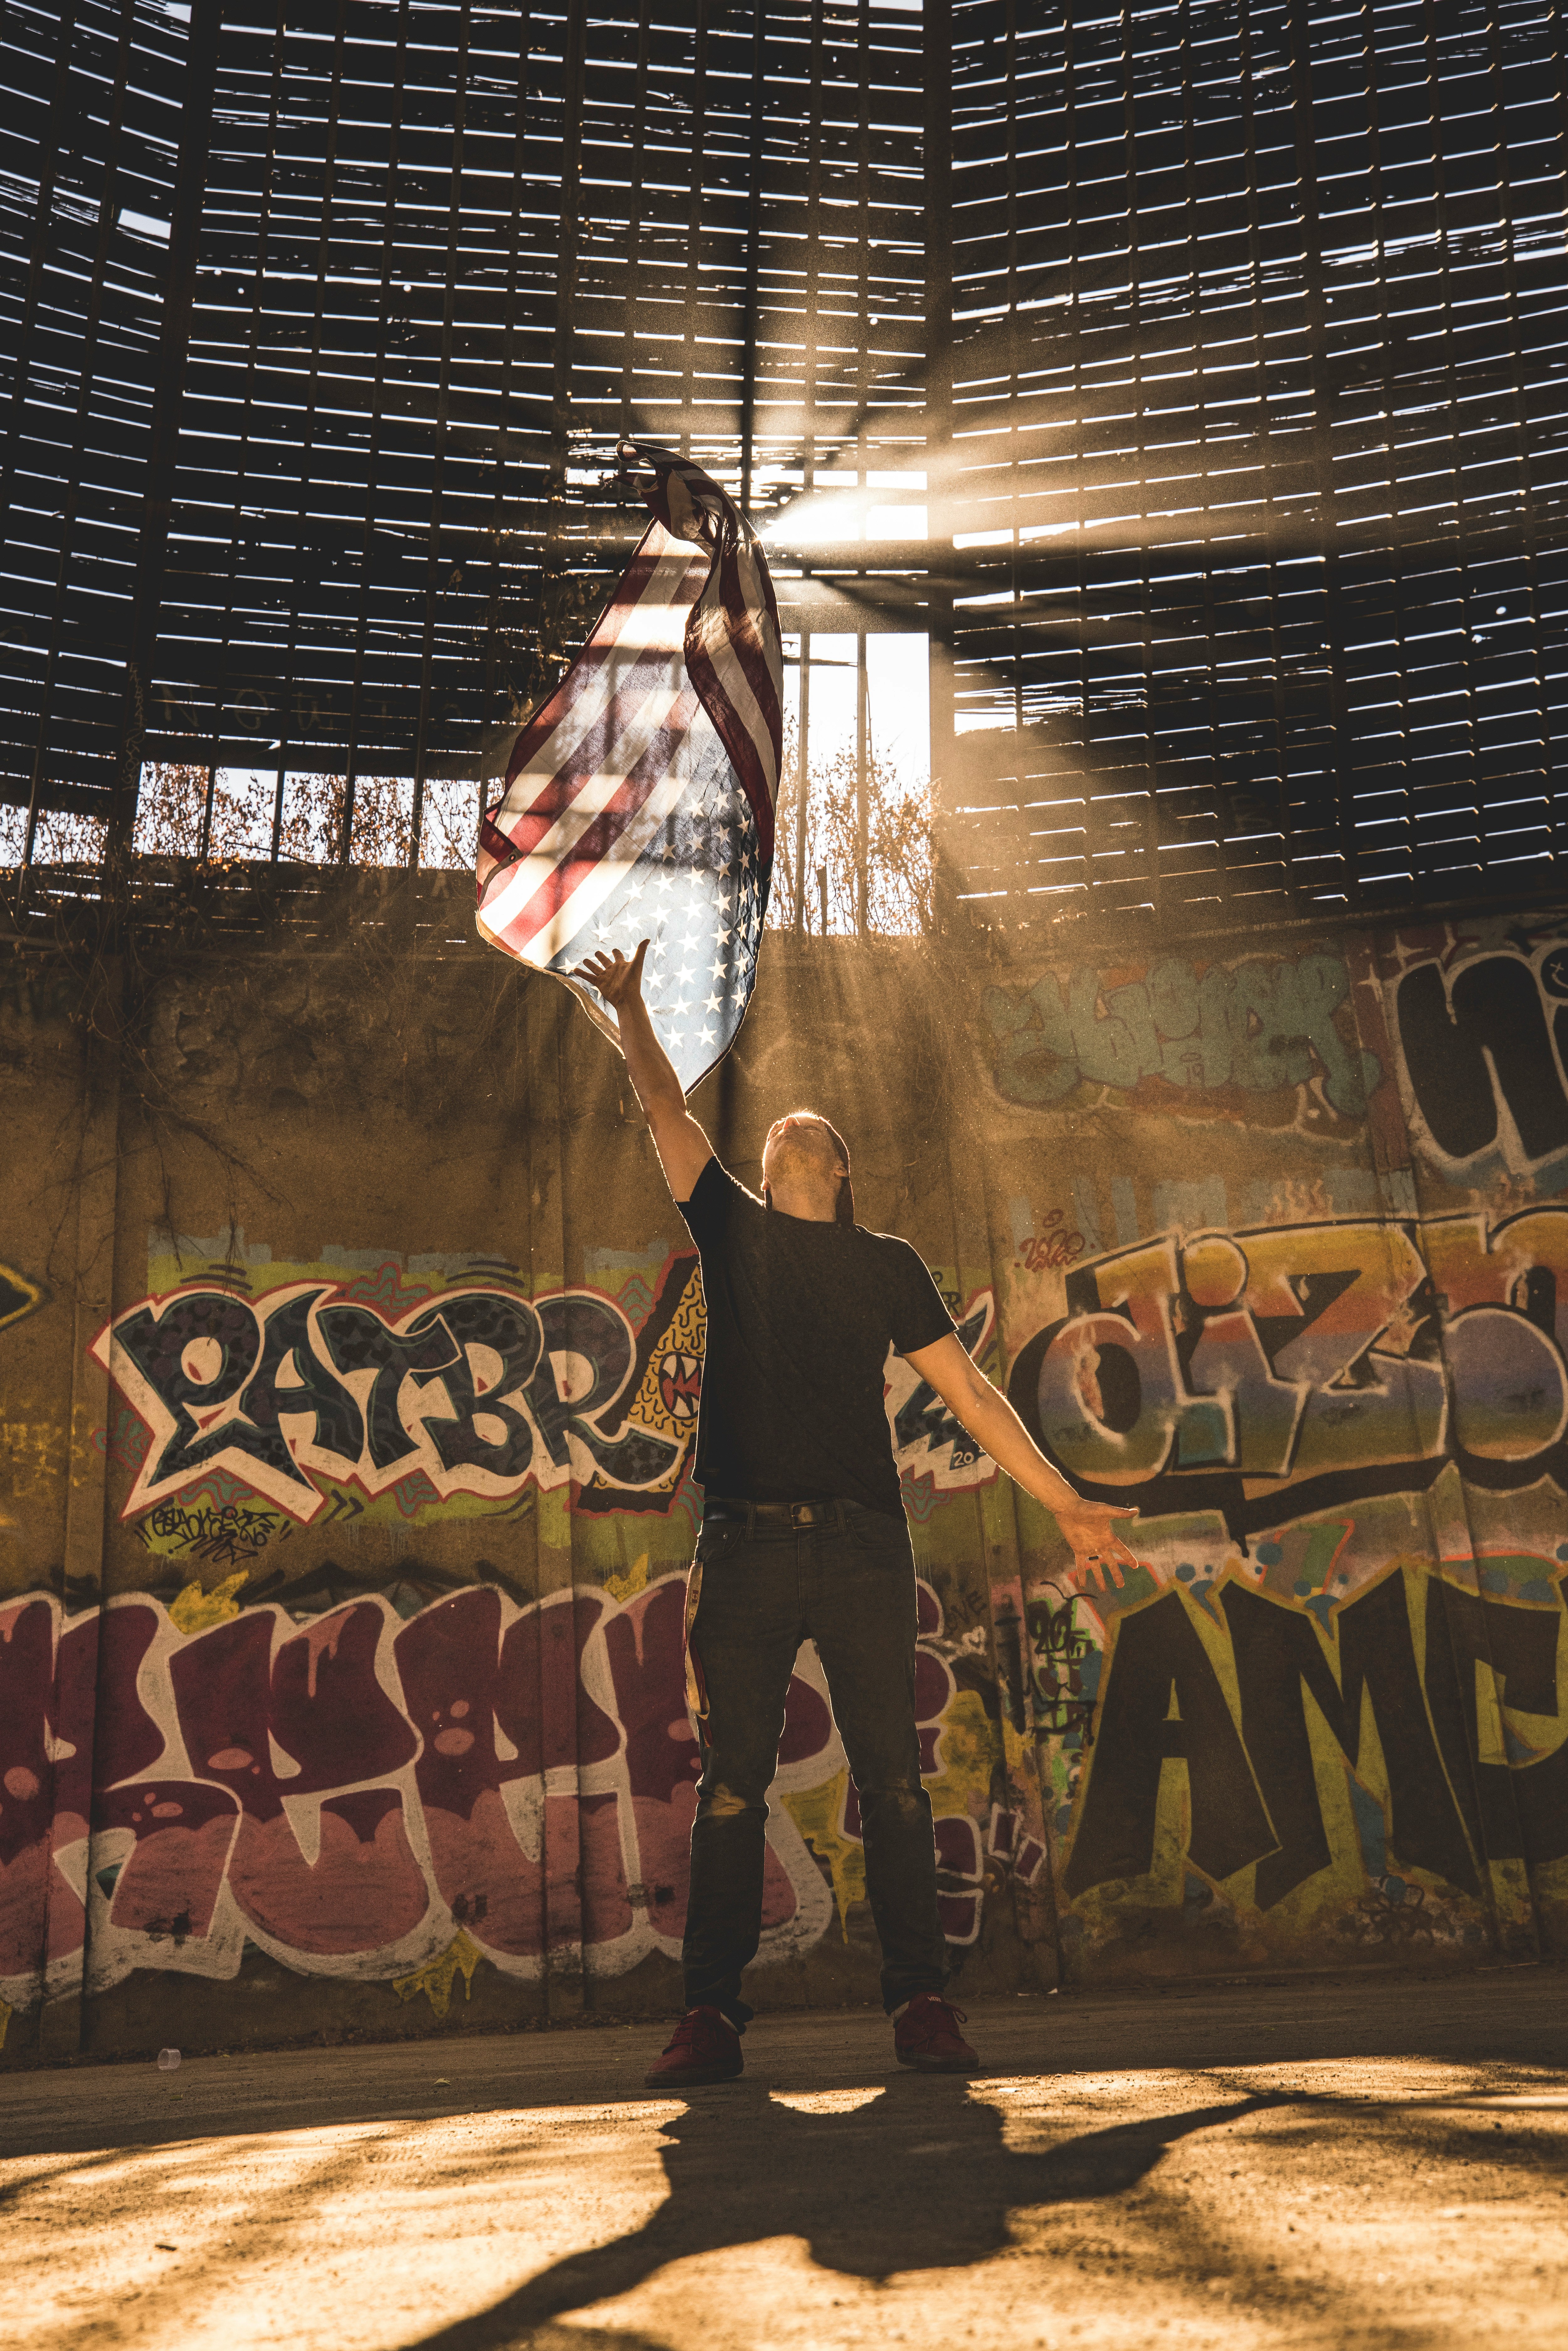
(347, 1368)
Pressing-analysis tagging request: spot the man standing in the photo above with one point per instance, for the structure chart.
(804, 1538)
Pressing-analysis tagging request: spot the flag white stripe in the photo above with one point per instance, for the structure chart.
(530, 872)
(736, 690)
(613, 868)
(659, 615)
(577, 913)
(650, 627)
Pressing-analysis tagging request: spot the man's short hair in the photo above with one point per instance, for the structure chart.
(802, 1143)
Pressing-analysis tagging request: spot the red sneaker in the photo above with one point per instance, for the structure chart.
(925, 2036)
(703, 2047)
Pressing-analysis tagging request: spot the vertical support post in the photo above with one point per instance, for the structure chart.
(554, 1522)
(163, 424)
(1340, 783)
(862, 812)
(60, 2017)
(574, 68)
(433, 564)
(753, 258)
(939, 457)
(373, 456)
(26, 345)
(802, 780)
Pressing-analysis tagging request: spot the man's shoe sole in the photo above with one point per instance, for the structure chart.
(920, 2064)
(693, 2077)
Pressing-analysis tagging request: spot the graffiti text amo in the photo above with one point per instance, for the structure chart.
(1255, 1027)
(1331, 1361)
(1408, 1719)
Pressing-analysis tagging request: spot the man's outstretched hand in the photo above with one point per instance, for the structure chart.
(684, 1149)
(1092, 1529)
(618, 978)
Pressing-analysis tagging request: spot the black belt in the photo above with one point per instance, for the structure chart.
(723, 1510)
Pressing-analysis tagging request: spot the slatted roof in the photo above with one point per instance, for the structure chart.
(1202, 364)
(1260, 449)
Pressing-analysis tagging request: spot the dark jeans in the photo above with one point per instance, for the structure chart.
(849, 1588)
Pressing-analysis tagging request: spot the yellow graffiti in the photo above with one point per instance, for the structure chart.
(25, 1296)
(685, 1336)
(817, 1812)
(967, 1752)
(436, 1978)
(31, 1449)
(195, 1611)
(626, 1587)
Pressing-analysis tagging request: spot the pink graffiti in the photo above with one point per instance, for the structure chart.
(351, 1792)
(46, 1684)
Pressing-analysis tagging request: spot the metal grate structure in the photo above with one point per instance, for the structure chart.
(1260, 448)
(1189, 376)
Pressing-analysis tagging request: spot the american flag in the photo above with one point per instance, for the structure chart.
(639, 799)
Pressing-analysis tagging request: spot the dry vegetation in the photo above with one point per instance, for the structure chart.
(899, 840)
(173, 800)
(173, 805)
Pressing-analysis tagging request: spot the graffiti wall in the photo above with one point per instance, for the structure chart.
(1322, 1718)
(392, 1800)
(350, 1352)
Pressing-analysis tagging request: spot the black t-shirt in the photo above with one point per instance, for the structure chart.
(800, 1319)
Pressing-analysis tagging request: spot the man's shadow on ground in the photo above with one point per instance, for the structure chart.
(917, 2178)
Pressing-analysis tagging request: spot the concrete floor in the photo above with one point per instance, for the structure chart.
(1380, 2163)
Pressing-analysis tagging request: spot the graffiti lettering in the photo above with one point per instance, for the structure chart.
(230, 1532)
(1260, 1026)
(1332, 1360)
(481, 1390)
(1485, 1053)
(1056, 1247)
(349, 1792)
(18, 1296)
(1255, 1794)
(929, 1443)
(1058, 1647)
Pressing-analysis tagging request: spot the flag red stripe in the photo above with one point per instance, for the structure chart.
(737, 742)
(606, 632)
(604, 831)
(748, 650)
(746, 641)
(589, 759)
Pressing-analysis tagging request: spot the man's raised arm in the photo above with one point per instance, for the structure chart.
(1093, 1528)
(684, 1149)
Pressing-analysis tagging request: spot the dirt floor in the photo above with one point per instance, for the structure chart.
(1358, 2162)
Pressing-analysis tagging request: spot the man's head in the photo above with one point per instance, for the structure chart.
(806, 1169)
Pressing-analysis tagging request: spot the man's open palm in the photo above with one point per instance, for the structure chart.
(1094, 1531)
(618, 979)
